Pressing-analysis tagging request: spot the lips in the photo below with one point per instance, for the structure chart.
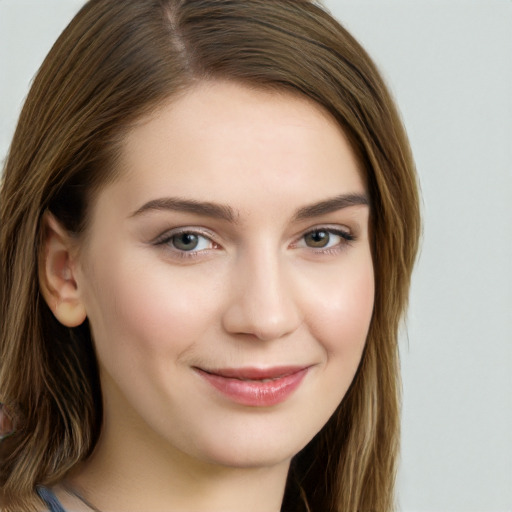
(255, 387)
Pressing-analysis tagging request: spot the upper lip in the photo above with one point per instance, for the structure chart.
(254, 373)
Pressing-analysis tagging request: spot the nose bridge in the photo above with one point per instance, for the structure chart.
(263, 302)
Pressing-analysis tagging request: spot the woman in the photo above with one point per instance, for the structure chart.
(209, 218)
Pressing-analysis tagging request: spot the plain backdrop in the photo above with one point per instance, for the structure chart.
(449, 65)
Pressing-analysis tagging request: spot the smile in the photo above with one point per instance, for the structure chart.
(255, 387)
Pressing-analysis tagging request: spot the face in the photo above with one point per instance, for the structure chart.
(227, 276)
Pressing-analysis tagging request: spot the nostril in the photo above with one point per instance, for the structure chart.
(262, 323)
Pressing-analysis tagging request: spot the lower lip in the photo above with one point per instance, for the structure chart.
(256, 393)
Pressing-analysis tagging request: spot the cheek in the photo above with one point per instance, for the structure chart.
(151, 311)
(339, 319)
(341, 313)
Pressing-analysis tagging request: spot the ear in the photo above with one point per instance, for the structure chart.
(57, 273)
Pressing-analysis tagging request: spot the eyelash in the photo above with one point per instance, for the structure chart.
(346, 239)
(166, 238)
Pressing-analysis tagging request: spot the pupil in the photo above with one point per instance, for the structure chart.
(185, 241)
(317, 239)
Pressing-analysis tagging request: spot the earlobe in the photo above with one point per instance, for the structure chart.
(57, 279)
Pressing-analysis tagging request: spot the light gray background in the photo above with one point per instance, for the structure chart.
(449, 64)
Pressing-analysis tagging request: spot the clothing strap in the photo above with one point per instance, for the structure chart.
(50, 499)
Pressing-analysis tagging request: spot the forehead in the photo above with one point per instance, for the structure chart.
(237, 145)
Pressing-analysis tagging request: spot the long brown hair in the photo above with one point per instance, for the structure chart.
(114, 63)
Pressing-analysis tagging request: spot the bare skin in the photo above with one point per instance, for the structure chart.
(276, 274)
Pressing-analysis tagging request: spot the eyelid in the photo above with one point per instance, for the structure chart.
(163, 242)
(347, 237)
(168, 234)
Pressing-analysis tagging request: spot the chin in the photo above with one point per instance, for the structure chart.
(265, 444)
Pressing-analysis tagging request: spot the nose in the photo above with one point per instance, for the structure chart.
(262, 300)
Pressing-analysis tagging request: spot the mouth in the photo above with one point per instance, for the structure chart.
(255, 387)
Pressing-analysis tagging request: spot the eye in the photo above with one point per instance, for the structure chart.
(318, 239)
(324, 238)
(189, 241)
(186, 241)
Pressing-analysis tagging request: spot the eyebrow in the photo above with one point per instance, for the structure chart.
(204, 208)
(224, 212)
(331, 205)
